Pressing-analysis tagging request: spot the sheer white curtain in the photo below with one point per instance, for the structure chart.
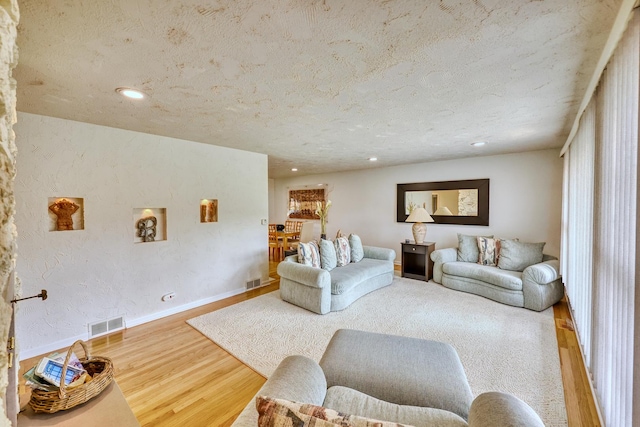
(600, 263)
(614, 266)
(579, 182)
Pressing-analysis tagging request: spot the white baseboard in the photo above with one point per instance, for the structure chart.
(51, 347)
(179, 309)
(65, 343)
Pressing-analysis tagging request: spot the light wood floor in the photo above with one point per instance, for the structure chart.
(581, 407)
(172, 375)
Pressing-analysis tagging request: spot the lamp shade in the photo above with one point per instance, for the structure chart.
(419, 215)
(443, 210)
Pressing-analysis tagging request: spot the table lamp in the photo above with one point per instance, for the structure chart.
(419, 216)
(443, 210)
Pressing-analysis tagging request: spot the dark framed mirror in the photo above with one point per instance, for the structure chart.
(463, 202)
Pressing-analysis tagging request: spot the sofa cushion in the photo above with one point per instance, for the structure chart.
(345, 278)
(357, 251)
(328, 257)
(309, 254)
(468, 248)
(279, 413)
(400, 370)
(503, 278)
(350, 401)
(343, 251)
(517, 256)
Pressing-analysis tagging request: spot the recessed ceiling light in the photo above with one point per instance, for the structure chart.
(478, 143)
(130, 93)
(294, 169)
(373, 159)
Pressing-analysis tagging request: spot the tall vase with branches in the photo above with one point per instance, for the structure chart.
(322, 210)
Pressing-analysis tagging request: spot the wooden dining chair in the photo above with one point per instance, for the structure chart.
(274, 243)
(295, 227)
(290, 226)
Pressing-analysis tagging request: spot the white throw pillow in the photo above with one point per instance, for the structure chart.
(328, 257)
(357, 251)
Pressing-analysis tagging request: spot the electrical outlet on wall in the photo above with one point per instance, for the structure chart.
(263, 221)
(169, 296)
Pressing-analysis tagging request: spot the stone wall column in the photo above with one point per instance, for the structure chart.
(9, 17)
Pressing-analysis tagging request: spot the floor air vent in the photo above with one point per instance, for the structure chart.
(105, 327)
(253, 284)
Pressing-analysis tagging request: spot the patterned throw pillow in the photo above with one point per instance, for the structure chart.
(281, 413)
(328, 257)
(309, 254)
(343, 251)
(489, 251)
(357, 251)
(468, 248)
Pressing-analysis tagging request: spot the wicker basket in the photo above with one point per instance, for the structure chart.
(62, 399)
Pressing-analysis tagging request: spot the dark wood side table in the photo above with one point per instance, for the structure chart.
(416, 260)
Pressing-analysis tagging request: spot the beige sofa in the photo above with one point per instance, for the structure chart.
(537, 287)
(391, 378)
(322, 291)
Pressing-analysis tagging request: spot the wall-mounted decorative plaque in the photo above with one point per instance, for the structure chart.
(303, 203)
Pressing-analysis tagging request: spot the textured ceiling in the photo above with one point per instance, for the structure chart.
(319, 85)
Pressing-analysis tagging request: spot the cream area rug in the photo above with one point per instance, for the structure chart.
(502, 348)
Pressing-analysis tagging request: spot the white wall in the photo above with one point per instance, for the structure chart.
(525, 199)
(272, 201)
(100, 273)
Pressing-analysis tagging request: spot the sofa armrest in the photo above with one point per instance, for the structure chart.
(501, 409)
(542, 273)
(297, 378)
(439, 257)
(379, 253)
(542, 285)
(304, 274)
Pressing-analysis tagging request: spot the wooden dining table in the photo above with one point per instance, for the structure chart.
(285, 236)
(282, 236)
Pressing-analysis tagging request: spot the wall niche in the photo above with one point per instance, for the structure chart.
(65, 213)
(150, 225)
(209, 210)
